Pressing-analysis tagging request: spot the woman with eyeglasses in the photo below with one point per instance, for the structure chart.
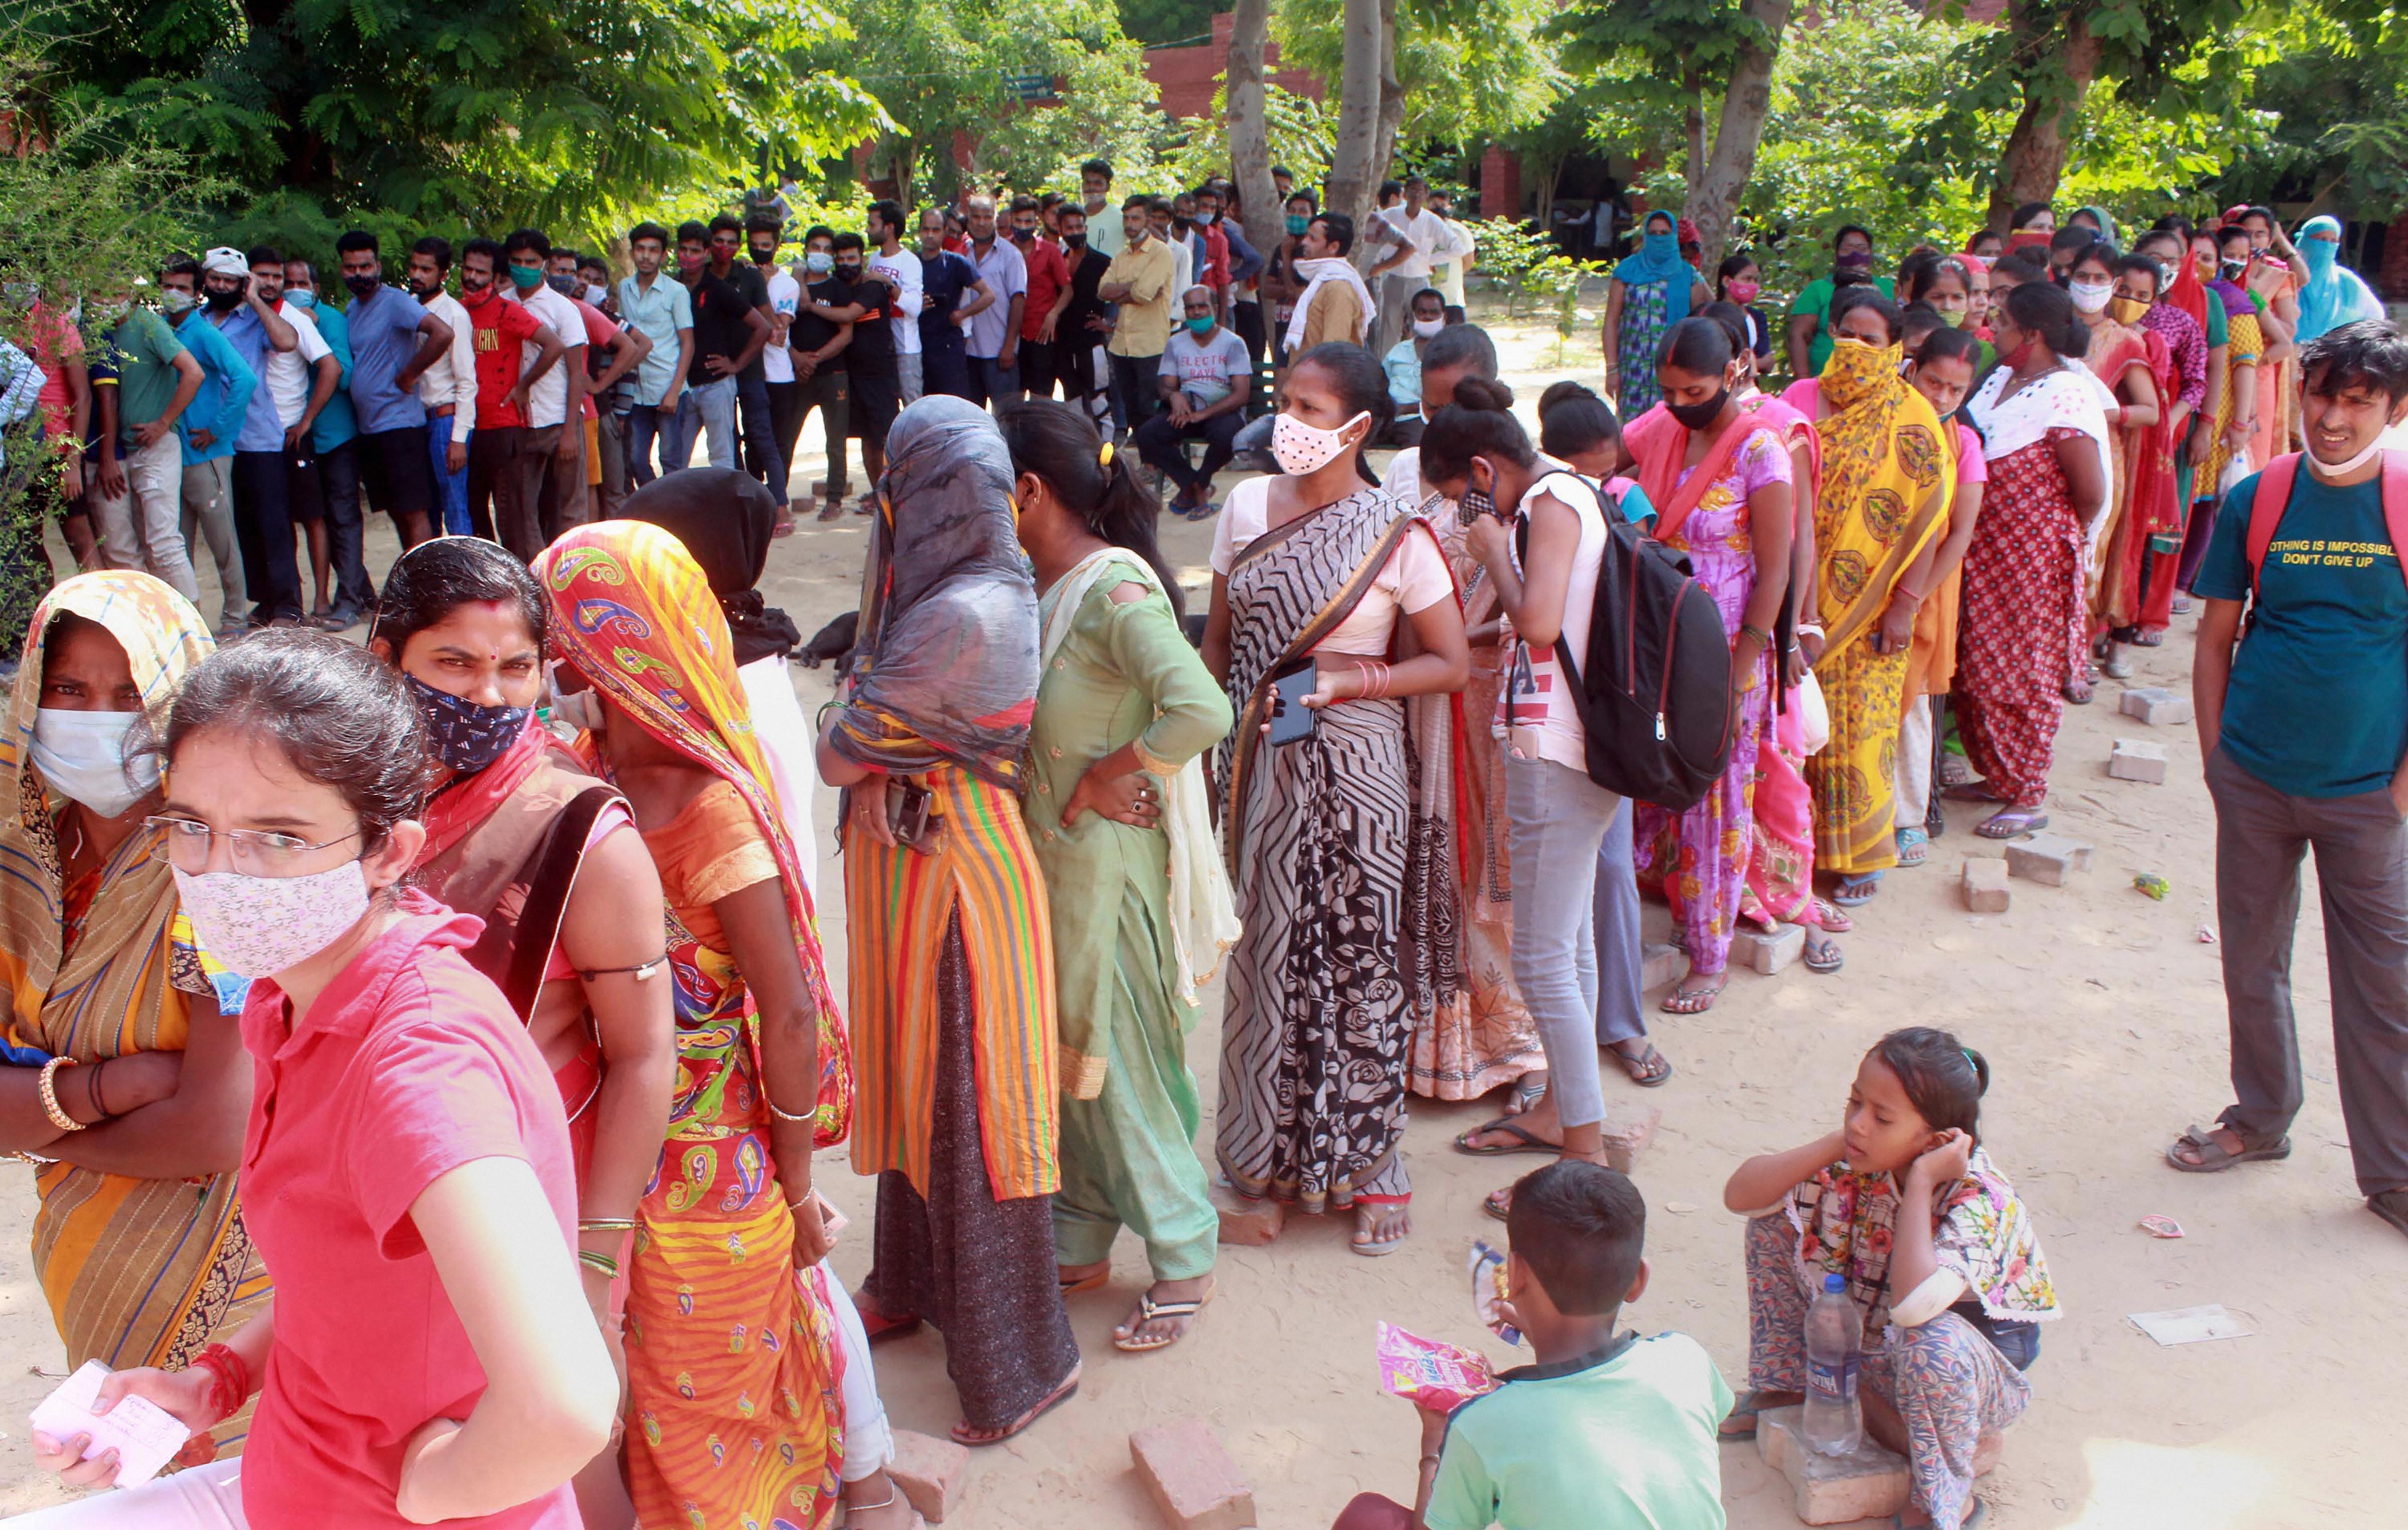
(406, 1163)
(126, 1082)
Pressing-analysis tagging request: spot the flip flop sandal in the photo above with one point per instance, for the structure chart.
(2149, 637)
(1970, 791)
(964, 1434)
(1498, 1203)
(1826, 957)
(2010, 822)
(1149, 1309)
(1530, 1142)
(1829, 918)
(1914, 847)
(1857, 889)
(1935, 821)
(2116, 669)
(2078, 698)
(2214, 1159)
(1693, 1001)
(1648, 1070)
(2182, 605)
(1526, 1095)
(1096, 1282)
(876, 1327)
(1746, 1406)
(1380, 1247)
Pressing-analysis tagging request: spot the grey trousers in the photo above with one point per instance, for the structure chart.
(1559, 819)
(1620, 1017)
(2361, 848)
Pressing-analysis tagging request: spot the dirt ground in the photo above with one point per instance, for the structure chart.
(2101, 1013)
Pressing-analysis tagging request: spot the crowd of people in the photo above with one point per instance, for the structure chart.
(425, 1042)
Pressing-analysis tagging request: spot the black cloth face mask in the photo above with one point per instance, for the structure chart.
(467, 736)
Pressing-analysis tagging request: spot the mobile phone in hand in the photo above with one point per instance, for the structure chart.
(1291, 719)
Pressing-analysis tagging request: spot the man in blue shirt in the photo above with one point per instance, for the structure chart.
(394, 340)
(262, 521)
(336, 434)
(2305, 729)
(208, 428)
(946, 280)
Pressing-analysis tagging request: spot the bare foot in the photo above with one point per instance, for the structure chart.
(1734, 1428)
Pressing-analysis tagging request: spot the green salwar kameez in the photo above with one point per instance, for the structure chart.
(1124, 672)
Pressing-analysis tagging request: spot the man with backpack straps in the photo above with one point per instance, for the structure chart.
(2305, 728)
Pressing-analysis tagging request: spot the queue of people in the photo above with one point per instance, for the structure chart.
(370, 999)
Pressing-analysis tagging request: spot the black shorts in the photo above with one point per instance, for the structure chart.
(394, 471)
(877, 398)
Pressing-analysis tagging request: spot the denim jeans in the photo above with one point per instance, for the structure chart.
(451, 488)
(710, 405)
(1559, 820)
(762, 458)
(1620, 1016)
(646, 423)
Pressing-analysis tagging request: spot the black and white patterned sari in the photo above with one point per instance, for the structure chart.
(1338, 846)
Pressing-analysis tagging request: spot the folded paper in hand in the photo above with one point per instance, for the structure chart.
(144, 1435)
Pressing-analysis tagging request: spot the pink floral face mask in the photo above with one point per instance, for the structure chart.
(260, 927)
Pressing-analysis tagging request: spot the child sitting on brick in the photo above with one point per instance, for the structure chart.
(1951, 1298)
(1607, 1431)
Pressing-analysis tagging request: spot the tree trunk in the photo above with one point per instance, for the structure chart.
(1748, 100)
(1354, 172)
(1249, 119)
(1693, 123)
(1392, 93)
(2034, 160)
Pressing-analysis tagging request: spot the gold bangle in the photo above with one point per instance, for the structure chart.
(601, 1262)
(49, 1093)
(607, 1225)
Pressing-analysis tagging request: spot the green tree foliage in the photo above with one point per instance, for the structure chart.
(573, 114)
(2334, 99)
(1157, 22)
(1470, 72)
(1299, 129)
(944, 68)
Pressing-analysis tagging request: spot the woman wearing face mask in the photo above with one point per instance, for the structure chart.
(2045, 438)
(1281, 285)
(731, 1333)
(406, 1170)
(952, 948)
(1475, 453)
(1739, 281)
(1722, 485)
(2236, 414)
(2134, 364)
(2333, 294)
(520, 837)
(1881, 509)
(1651, 292)
(125, 1076)
(1943, 372)
(1142, 910)
(1319, 565)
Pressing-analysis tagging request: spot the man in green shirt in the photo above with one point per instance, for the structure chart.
(1809, 335)
(140, 503)
(1607, 1431)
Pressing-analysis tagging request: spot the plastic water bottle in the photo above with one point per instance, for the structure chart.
(1835, 1420)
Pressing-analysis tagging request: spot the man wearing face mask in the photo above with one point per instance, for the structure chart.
(1403, 364)
(1104, 231)
(899, 269)
(612, 349)
(138, 512)
(2303, 721)
(860, 298)
(501, 333)
(1204, 382)
(551, 455)
(612, 403)
(761, 241)
(393, 341)
(294, 386)
(210, 427)
(1049, 297)
(333, 435)
(1086, 323)
(819, 348)
(448, 388)
(751, 278)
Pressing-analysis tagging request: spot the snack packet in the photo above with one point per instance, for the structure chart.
(1488, 1291)
(1428, 1374)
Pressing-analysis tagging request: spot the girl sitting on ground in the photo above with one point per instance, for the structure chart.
(1951, 1298)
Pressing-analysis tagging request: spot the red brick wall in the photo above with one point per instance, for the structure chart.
(1188, 77)
(1500, 184)
(2392, 280)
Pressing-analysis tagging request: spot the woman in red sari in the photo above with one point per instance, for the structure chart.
(2136, 365)
(2044, 438)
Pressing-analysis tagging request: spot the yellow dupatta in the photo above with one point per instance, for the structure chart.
(1875, 511)
(138, 1272)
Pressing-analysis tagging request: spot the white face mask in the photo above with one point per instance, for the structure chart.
(2320, 469)
(573, 709)
(1303, 449)
(2091, 296)
(595, 296)
(260, 927)
(82, 755)
(1428, 327)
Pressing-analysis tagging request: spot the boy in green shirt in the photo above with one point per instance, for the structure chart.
(1607, 1431)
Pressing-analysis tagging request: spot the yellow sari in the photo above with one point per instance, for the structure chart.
(1883, 457)
(138, 1272)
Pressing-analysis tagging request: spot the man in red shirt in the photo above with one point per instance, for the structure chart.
(1049, 294)
(500, 330)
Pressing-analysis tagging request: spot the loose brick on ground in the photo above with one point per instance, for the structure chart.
(1190, 1478)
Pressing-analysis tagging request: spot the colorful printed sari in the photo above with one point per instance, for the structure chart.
(2140, 491)
(1887, 480)
(138, 1272)
(731, 1354)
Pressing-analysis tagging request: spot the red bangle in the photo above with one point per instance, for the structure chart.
(229, 1379)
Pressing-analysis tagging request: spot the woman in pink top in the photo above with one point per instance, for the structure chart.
(1943, 372)
(429, 1354)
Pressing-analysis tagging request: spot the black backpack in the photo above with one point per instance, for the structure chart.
(1653, 691)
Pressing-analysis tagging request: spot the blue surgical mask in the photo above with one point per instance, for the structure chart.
(308, 300)
(819, 263)
(1297, 222)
